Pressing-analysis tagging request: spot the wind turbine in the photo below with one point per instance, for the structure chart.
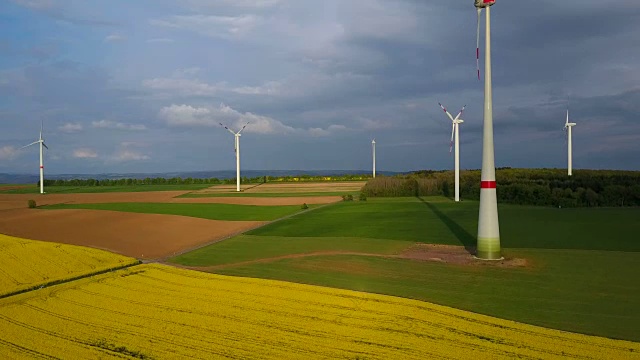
(42, 144)
(373, 148)
(455, 132)
(488, 247)
(237, 150)
(567, 127)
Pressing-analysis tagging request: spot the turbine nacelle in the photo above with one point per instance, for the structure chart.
(481, 4)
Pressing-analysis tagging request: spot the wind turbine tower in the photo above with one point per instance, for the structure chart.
(373, 148)
(455, 133)
(488, 247)
(567, 126)
(237, 150)
(42, 144)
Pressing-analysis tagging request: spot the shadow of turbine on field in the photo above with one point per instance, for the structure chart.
(467, 240)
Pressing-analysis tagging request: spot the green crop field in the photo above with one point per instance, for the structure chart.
(580, 273)
(439, 221)
(248, 248)
(206, 211)
(32, 189)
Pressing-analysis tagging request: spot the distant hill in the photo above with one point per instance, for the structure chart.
(223, 174)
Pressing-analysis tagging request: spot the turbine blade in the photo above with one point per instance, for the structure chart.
(45, 145)
(445, 111)
(245, 125)
(460, 113)
(33, 143)
(478, 45)
(453, 128)
(224, 126)
(41, 128)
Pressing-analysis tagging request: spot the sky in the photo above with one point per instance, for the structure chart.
(141, 86)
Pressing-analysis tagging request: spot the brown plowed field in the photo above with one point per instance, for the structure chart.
(19, 201)
(143, 236)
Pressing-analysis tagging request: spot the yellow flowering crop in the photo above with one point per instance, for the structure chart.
(28, 263)
(159, 312)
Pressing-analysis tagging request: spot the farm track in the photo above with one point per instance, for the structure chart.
(456, 255)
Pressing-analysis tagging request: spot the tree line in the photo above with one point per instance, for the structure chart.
(204, 181)
(544, 187)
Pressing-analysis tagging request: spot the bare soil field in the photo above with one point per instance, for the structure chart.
(19, 201)
(143, 236)
(301, 187)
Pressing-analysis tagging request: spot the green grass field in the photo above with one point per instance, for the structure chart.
(32, 189)
(248, 248)
(206, 211)
(591, 292)
(581, 274)
(439, 221)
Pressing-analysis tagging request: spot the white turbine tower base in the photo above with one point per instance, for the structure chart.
(455, 134)
(373, 148)
(488, 247)
(42, 144)
(237, 151)
(567, 126)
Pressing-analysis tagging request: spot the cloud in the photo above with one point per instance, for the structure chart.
(254, 4)
(189, 116)
(70, 128)
(181, 86)
(160, 40)
(114, 38)
(130, 155)
(8, 152)
(226, 27)
(108, 124)
(84, 153)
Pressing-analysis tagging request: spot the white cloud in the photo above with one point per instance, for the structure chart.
(114, 38)
(184, 87)
(84, 153)
(160, 40)
(268, 88)
(108, 124)
(189, 116)
(255, 4)
(7, 152)
(370, 124)
(186, 115)
(227, 27)
(70, 128)
(130, 155)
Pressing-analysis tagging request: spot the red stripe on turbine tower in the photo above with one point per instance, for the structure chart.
(487, 184)
(41, 167)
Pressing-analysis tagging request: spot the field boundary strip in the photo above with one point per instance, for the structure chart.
(165, 260)
(63, 281)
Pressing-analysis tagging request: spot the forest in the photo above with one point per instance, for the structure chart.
(543, 187)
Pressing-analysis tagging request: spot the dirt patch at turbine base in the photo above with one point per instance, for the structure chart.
(143, 236)
(455, 255)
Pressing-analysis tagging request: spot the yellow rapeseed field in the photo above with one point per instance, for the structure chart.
(28, 263)
(159, 312)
